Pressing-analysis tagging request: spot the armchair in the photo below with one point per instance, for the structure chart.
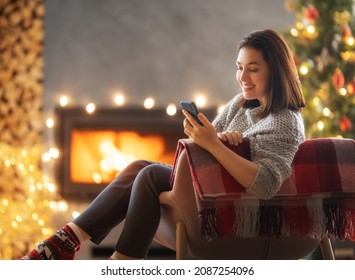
(333, 199)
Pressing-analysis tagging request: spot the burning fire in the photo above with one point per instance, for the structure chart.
(99, 156)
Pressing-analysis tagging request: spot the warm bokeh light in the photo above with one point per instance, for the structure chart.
(320, 125)
(53, 152)
(51, 187)
(62, 205)
(75, 214)
(343, 91)
(304, 70)
(46, 157)
(119, 98)
(90, 108)
(64, 100)
(171, 109)
(311, 29)
(294, 32)
(220, 109)
(149, 103)
(50, 122)
(350, 41)
(201, 101)
(326, 112)
(29, 212)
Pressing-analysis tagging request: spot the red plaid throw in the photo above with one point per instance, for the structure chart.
(317, 199)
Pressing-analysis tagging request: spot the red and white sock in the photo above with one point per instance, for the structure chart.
(62, 245)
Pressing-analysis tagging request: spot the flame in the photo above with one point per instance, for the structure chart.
(99, 156)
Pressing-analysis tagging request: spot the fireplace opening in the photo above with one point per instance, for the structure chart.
(105, 153)
(95, 148)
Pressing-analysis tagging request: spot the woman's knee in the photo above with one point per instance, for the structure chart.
(129, 173)
(156, 175)
(138, 165)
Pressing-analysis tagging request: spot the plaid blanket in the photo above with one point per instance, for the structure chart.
(317, 199)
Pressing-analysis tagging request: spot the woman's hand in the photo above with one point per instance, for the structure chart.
(242, 169)
(233, 137)
(203, 135)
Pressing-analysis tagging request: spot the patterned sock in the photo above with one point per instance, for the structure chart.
(60, 246)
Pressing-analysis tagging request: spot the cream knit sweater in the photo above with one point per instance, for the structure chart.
(274, 141)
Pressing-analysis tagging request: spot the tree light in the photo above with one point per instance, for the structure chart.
(294, 32)
(326, 112)
(350, 41)
(343, 91)
(320, 125)
(304, 70)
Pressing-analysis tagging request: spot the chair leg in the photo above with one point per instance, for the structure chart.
(181, 241)
(326, 249)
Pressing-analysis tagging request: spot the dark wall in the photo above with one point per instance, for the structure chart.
(168, 49)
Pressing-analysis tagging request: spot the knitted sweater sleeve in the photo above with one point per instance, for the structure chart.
(274, 149)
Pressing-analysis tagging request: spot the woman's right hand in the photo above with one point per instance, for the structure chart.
(233, 137)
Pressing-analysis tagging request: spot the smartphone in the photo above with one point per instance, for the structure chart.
(191, 107)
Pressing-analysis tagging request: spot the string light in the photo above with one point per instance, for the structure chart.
(64, 100)
(220, 109)
(46, 157)
(201, 100)
(49, 122)
(90, 108)
(171, 109)
(63, 205)
(149, 103)
(119, 99)
(53, 152)
(51, 187)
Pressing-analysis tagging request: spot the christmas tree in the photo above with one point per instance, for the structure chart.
(323, 43)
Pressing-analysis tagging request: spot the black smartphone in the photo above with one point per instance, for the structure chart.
(191, 107)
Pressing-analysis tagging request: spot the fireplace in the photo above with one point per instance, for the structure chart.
(96, 147)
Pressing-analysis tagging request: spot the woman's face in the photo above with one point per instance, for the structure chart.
(253, 74)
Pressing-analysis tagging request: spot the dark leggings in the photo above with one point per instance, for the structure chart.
(133, 195)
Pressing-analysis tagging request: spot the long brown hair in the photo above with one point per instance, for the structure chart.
(285, 87)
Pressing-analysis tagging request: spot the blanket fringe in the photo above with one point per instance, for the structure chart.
(246, 220)
(315, 219)
(209, 224)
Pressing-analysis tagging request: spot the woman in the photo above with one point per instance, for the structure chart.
(267, 112)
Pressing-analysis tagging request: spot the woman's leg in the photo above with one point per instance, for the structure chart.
(110, 207)
(105, 212)
(143, 214)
